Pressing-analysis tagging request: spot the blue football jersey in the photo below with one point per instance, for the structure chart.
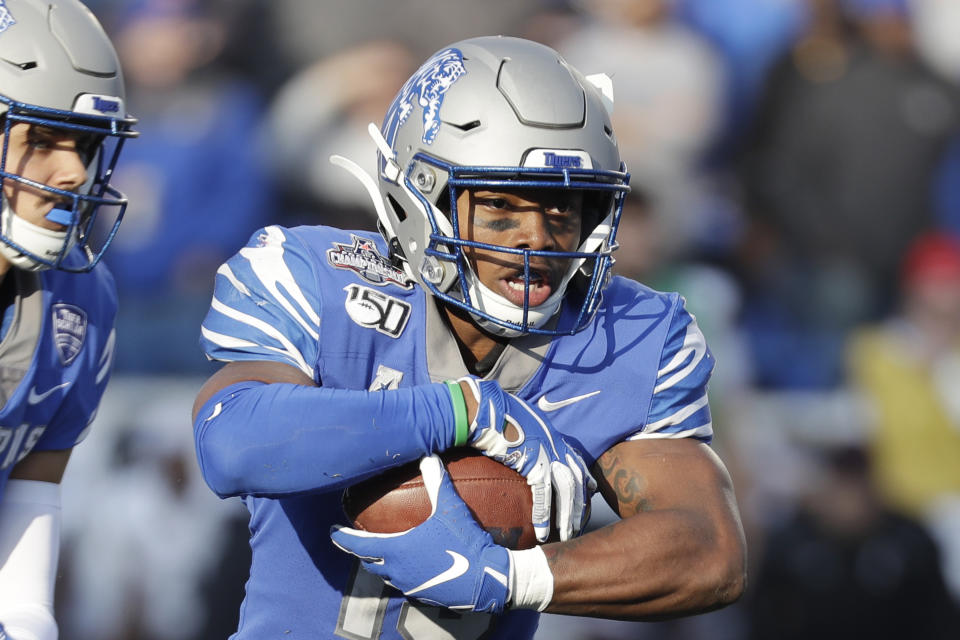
(56, 356)
(330, 303)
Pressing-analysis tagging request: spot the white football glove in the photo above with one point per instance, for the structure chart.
(552, 466)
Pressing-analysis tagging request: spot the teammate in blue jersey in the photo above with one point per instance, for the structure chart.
(62, 125)
(485, 316)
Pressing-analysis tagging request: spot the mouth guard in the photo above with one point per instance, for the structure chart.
(60, 216)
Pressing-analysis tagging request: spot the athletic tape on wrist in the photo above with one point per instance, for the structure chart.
(459, 413)
(531, 580)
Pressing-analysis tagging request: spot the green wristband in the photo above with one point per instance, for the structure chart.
(459, 412)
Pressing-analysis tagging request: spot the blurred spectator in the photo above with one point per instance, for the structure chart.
(195, 178)
(908, 369)
(838, 178)
(668, 92)
(323, 110)
(315, 29)
(750, 35)
(845, 566)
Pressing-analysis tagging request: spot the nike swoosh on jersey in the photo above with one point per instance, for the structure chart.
(36, 398)
(546, 405)
(457, 569)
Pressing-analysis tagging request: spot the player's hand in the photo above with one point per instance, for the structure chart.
(514, 433)
(447, 561)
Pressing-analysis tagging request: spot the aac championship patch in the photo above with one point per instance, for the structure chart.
(362, 258)
(69, 331)
(375, 310)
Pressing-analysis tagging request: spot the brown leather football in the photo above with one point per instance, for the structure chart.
(396, 500)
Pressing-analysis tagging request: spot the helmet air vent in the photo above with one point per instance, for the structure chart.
(466, 127)
(397, 209)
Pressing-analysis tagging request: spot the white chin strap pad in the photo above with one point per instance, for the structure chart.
(42, 242)
(488, 301)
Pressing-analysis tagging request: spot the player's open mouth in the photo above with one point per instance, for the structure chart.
(514, 289)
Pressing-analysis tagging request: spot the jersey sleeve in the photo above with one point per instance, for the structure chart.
(266, 304)
(679, 406)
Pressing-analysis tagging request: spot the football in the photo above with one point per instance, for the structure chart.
(396, 500)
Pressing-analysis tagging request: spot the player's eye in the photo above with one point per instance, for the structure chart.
(44, 139)
(497, 204)
(39, 139)
(565, 203)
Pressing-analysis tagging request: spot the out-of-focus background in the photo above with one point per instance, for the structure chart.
(796, 167)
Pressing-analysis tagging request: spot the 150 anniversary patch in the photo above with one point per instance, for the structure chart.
(375, 310)
(362, 258)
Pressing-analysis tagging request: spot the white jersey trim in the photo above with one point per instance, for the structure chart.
(679, 416)
(703, 431)
(694, 348)
(289, 349)
(268, 266)
(228, 273)
(106, 358)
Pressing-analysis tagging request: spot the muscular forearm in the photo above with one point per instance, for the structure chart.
(283, 439)
(648, 566)
(679, 548)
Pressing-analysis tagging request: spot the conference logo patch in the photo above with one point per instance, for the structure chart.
(69, 331)
(362, 258)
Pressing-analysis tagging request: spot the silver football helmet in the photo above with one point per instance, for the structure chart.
(58, 69)
(507, 113)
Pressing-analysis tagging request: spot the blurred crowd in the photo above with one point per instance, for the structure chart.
(796, 175)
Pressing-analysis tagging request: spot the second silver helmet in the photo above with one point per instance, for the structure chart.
(58, 69)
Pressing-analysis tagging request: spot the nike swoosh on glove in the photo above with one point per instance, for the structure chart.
(447, 561)
(552, 466)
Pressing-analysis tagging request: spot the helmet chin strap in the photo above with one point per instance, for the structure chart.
(45, 243)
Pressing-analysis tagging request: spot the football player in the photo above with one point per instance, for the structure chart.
(63, 123)
(485, 316)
